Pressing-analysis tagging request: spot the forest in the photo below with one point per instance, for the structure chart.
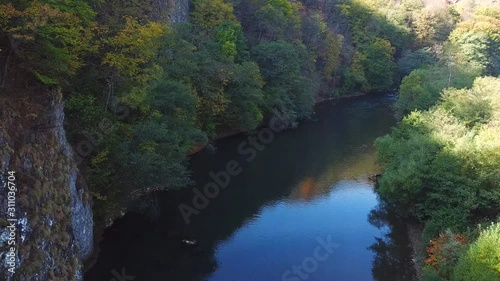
(160, 91)
(441, 164)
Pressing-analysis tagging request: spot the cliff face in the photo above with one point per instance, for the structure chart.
(174, 11)
(53, 231)
(180, 11)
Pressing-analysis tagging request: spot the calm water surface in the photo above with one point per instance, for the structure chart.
(306, 186)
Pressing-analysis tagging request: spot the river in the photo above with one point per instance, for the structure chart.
(302, 207)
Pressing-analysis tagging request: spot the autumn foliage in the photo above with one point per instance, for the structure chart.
(444, 251)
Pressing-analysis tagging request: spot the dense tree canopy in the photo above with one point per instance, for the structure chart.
(50, 37)
(441, 163)
(479, 39)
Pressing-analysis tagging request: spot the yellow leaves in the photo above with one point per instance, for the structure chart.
(134, 46)
(43, 14)
(210, 13)
(345, 9)
(97, 160)
(332, 56)
(98, 196)
(149, 146)
(50, 38)
(25, 24)
(134, 35)
(423, 26)
(357, 60)
(285, 6)
(6, 13)
(486, 22)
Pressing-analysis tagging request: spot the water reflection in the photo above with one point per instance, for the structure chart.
(392, 259)
(307, 183)
(285, 234)
(356, 166)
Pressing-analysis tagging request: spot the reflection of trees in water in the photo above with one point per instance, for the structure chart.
(147, 244)
(355, 165)
(392, 260)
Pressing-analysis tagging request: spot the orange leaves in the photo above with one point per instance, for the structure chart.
(24, 24)
(445, 249)
(6, 13)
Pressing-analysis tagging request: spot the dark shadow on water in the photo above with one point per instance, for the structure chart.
(392, 259)
(297, 168)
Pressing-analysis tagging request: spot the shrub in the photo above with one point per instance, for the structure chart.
(481, 262)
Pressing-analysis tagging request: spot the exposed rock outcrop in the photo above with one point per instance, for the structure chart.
(173, 11)
(54, 227)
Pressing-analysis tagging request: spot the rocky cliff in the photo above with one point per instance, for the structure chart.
(174, 11)
(51, 215)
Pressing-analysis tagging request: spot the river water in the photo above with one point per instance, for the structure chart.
(302, 207)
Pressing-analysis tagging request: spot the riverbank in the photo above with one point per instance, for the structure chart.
(415, 236)
(228, 134)
(321, 100)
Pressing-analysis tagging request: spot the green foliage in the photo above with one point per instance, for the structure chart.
(278, 19)
(113, 13)
(417, 91)
(246, 97)
(378, 65)
(209, 83)
(370, 19)
(472, 50)
(432, 25)
(469, 107)
(183, 83)
(372, 68)
(228, 92)
(286, 89)
(323, 45)
(50, 37)
(478, 39)
(429, 274)
(156, 148)
(359, 18)
(211, 13)
(411, 60)
(133, 47)
(83, 114)
(330, 55)
(80, 8)
(354, 77)
(421, 89)
(481, 261)
(232, 41)
(440, 165)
